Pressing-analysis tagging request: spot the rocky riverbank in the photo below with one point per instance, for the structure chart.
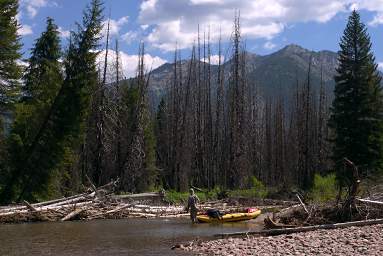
(366, 240)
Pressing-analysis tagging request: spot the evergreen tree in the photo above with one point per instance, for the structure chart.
(43, 80)
(356, 116)
(63, 123)
(10, 71)
(43, 76)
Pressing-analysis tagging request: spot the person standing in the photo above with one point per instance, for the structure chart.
(192, 206)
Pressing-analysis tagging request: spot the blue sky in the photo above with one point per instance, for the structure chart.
(267, 25)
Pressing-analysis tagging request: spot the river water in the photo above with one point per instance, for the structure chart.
(109, 237)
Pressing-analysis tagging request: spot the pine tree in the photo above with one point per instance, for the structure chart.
(43, 76)
(356, 117)
(96, 130)
(62, 125)
(43, 80)
(10, 71)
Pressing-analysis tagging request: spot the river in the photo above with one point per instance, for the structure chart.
(108, 237)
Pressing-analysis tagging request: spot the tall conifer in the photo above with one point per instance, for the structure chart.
(10, 71)
(357, 109)
(43, 80)
(63, 123)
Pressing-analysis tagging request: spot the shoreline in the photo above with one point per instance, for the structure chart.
(367, 240)
(90, 206)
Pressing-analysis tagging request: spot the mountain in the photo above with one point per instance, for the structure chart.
(274, 74)
(278, 72)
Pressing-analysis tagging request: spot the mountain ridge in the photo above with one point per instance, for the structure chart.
(274, 74)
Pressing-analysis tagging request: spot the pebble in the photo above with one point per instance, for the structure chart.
(366, 240)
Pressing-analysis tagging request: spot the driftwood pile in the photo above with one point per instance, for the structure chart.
(98, 203)
(303, 218)
(102, 203)
(87, 206)
(324, 213)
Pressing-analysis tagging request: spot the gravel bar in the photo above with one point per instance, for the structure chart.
(366, 240)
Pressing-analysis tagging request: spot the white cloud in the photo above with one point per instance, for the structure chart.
(144, 26)
(115, 25)
(130, 62)
(129, 37)
(380, 66)
(176, 21)
(148, 5)
(214, 59)
(25, 30)
(269, 45)
(377, 20)
(64, 33)
(32, 6)
(375, 6)
(196, 2)
(18, 17)
(32, 11)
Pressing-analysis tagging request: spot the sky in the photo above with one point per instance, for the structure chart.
(163, 25)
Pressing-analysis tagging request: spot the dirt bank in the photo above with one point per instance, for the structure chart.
(348, 241)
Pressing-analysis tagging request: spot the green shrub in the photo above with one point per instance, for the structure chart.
(324, 188)
(175, 197)
(257, 190)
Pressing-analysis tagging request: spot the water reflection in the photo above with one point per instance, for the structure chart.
(108, 237)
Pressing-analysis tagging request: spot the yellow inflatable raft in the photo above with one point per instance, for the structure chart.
(231, 217)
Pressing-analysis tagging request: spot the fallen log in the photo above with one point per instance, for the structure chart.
(13, 208)
(273, 232)
(303, 205)
(46, 208)
(137, 196)
(59, 200)
(270, 224)
(73, 214)
(278, 202)
(370, 202)
(73, 200)
(37, 214)
(287, 211)
(30, 207)
(23, 207)
(117, 209)
(93, 187)
(178, 215)
(152, 211)
(143, 215)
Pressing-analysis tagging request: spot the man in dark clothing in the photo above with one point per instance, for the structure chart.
(192, 205)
